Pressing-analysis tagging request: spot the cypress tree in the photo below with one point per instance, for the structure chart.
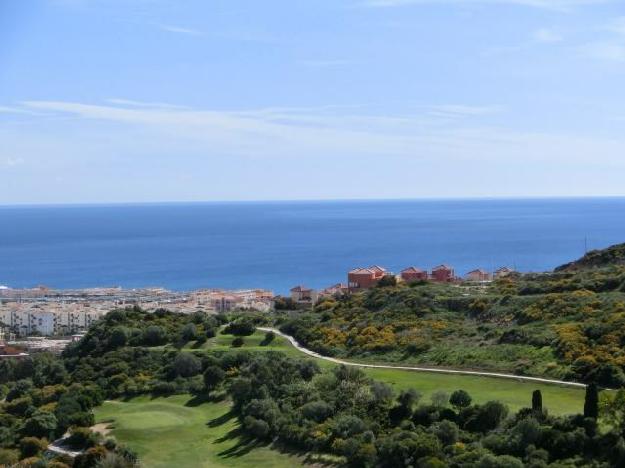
(591, 402)
(537, 401)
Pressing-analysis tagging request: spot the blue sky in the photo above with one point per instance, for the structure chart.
(163, 100)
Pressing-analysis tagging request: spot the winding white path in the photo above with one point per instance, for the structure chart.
(521, 378)
(57, 447)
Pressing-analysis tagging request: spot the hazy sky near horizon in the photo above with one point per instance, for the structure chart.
(169, 100)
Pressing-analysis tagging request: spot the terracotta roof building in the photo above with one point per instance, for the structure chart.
(364, 278)
(411, 274)
(478, 275)
(443, 274)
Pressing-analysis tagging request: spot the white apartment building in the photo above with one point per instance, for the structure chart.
(60, 322)
(68, 322)
(28, 322)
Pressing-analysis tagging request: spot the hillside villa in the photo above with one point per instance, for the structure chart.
(365, 278)
(338, 289)
(412, 273)
(304, 295)
(443, 274)
(502, 272)
(478, 275)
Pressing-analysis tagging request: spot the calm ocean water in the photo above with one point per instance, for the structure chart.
(278, 245)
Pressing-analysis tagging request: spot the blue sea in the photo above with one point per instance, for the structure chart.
(277, 245)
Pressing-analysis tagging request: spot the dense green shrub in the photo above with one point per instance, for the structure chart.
(239, 328)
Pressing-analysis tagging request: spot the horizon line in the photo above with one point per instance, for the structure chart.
(306, 200)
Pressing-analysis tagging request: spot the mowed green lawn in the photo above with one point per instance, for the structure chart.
(557, 399)
(515, 393)
(251, 343)
(174, 431)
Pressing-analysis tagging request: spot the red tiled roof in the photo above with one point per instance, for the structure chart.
(300, 289)
(412, 270)
(504, 269)
(442, 267)
(362, 271)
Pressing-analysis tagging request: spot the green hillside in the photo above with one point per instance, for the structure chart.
(614, 255)
(566, 325)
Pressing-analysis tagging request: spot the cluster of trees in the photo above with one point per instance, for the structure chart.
(135, 328)
(42, 402)
(343, 412)
(129, 352)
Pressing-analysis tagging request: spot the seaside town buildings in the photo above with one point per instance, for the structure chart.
(43, 311)
(50, 320)
(360, 279)
(220, 300)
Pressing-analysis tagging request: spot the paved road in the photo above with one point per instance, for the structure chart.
(422, 369)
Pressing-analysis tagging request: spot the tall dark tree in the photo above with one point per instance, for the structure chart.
(213, 376)
(537, 401)
(460, 399)
(187, 365)
(591, 401)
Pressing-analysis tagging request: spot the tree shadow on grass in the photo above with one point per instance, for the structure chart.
(236, 433)
(201, 398)
(309, 458)
(244, 445)
(223, 419)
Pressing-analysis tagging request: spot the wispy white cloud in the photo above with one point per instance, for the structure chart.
(543, 4)
(259, 149)
(436, 133)
(181, 30)
(456, 110)
(133, 103)
(16, 110)
(547, 35)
